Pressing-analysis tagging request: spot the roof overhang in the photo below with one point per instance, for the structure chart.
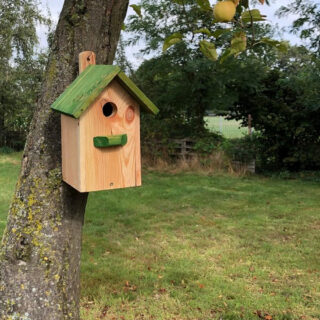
(87, 87)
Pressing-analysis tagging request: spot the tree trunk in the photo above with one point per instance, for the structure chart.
(41, 247)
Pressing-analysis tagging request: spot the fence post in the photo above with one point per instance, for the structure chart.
(221, 124)
(249, 124)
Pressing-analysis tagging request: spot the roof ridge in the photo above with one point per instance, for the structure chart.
(86, 88)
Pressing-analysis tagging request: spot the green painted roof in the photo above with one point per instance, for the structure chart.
(86, 88)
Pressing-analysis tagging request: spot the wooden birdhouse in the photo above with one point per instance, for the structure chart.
(100, 129)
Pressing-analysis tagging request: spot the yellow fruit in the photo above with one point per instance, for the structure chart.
(224, 11)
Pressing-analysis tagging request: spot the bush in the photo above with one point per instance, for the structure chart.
(241, 149)
(158, 135)
(6, 150)
(208, 142)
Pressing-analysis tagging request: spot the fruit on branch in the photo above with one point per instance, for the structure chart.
(224, 11)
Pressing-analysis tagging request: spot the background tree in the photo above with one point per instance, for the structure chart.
(180, 85)
(21, 67)
(41, 247)
(284, 105)
(255, 81)
(181, 79)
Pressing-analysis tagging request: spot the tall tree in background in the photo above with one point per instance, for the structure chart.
(175, 80)
(284, 105)
(21, 67)
(185, 79)
(41, 247)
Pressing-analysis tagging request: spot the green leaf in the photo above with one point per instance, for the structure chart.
(252, 16)
(228, 52)
(220, 32)
(123, 27)
(203, 30)
(204, 4)
(209, 50)
(137, 9)
(171, 40)
(238, 43)
(181, 2)
(282, 46)
(245, 3)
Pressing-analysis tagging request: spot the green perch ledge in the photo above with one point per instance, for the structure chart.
(110, 141)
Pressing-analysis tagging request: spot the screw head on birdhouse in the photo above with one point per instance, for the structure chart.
(100, 129)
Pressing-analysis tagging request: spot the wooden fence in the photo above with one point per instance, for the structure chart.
(183, 148)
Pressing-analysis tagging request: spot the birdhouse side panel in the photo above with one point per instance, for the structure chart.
(70, 145)
(115, 116)
(138, 149)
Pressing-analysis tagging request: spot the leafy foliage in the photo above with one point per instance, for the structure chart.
(137, 9)
(208, 143)
(285, 108)
(192, 22)
(279, 89)
(184, 87)
(307, 24)
(21, 68)
(182, 81)
(209, 50)
(171, 40)
(165, 22)
(241, 149)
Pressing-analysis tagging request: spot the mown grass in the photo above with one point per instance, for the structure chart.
(228, 128)
(193, 246)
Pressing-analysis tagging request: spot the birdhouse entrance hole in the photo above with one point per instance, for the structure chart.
(109, 109)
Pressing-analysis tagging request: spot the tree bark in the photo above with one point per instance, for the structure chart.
(41, 247)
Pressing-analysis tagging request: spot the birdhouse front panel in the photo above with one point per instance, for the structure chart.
(114, 115)
(100, 130)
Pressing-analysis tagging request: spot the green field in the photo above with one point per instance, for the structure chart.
(193, 246)
(228, 128)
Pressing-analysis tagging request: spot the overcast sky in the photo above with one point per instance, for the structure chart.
(55, 6)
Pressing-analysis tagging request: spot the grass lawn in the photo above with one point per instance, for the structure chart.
(190, 246)
(228, 128)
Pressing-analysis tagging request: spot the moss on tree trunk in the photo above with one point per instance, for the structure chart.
(41, 247)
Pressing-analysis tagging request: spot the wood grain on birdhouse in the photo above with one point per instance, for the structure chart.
(110, 167)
